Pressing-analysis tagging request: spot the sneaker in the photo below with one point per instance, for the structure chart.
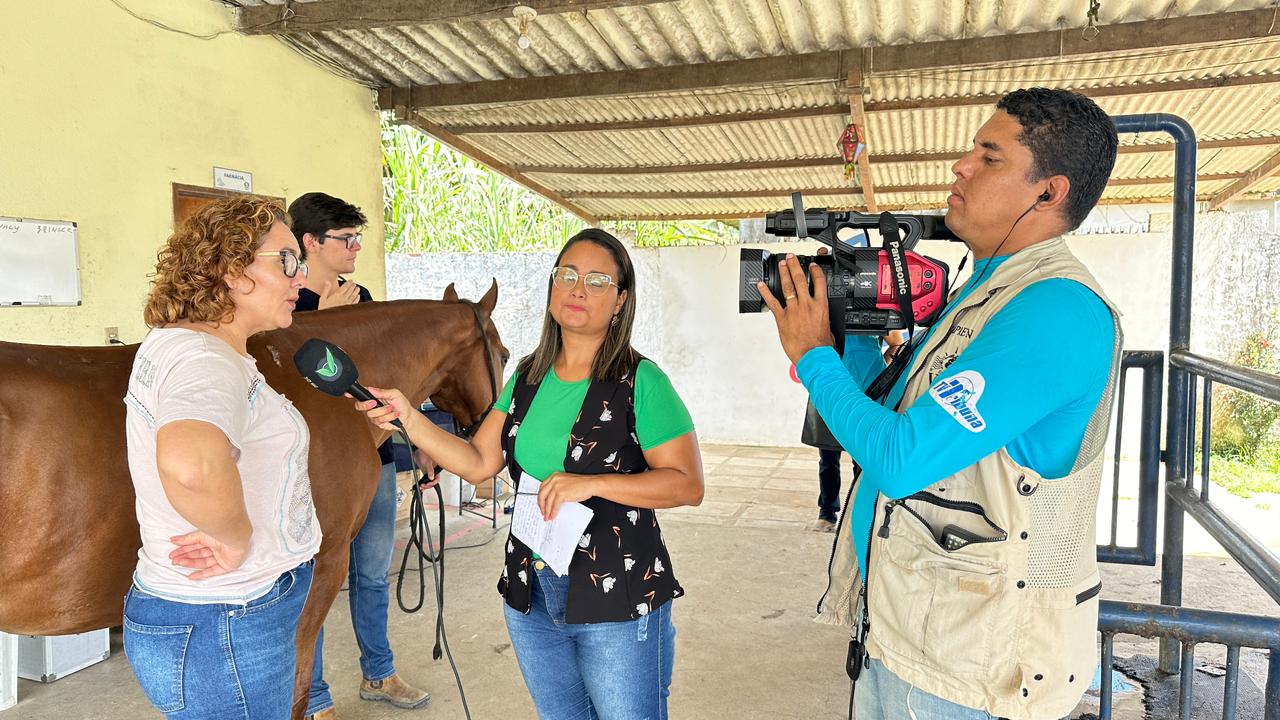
(395, 691)
(328, 713)
(823, 525)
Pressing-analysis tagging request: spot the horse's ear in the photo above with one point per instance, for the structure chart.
(490, 299)
(450, 294)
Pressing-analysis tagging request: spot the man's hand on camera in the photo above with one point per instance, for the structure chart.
(803, 324)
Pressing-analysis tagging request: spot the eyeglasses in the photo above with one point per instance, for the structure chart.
(595, 283)
(350, 240)
(289, 261)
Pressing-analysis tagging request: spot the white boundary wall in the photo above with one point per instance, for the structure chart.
(730, 369)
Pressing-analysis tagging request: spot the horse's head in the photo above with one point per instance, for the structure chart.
(473, 375)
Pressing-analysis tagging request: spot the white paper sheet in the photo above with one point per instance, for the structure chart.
(555, 541)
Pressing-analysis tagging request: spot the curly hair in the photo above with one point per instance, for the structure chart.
(218, 241)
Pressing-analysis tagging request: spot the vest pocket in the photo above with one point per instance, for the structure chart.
(1059, 645)
(938, 606)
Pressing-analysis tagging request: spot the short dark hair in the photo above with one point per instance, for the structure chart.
(1068, 134)
(318, 213)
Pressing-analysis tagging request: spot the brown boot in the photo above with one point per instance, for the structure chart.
(395, 691)
(328, 713)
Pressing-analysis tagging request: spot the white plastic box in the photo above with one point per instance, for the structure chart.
(48, 658)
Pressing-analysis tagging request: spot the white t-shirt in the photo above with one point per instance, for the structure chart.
(182, 374)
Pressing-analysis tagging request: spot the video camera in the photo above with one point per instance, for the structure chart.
(870, 291)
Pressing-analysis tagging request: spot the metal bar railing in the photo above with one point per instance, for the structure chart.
(1259, 383)
(1184, 204)
(1151, 364)
(1186, 628)
(1254, 556)
(1205, 425)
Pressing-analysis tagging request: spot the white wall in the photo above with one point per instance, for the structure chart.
(730, 368)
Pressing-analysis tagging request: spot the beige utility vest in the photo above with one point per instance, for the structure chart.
(1007, 624)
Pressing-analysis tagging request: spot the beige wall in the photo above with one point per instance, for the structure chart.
(100, 113)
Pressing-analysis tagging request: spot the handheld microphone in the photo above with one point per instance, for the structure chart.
(332, 371)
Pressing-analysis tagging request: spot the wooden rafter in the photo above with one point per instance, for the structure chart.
(801, 113)
(328, 15)
(870, 107)
(859, 117)
(1242, 185)
(883, 159)
(835, 65)
(894, 207)
(747, 194)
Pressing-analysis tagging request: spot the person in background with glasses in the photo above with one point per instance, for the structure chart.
(219, 466)
(328, 230)
(596, 423)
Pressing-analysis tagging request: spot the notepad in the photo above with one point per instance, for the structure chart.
(553, 541)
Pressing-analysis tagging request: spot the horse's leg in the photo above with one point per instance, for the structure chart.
(331, 569)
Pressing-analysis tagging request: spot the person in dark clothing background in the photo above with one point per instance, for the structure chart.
(329, 232)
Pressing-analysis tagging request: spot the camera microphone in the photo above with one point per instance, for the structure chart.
(332, 371)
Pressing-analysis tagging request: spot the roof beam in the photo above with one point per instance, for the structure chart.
(858, 117)
(328, 15)
(894, 207)
(840, 109)
(480, 156)
(835, 65)
(749, 194)
(873, 106)
(883, 159)
(1241, 186)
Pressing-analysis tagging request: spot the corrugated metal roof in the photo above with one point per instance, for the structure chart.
(934, 110)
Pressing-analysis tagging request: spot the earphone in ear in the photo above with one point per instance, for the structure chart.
(1044, 196)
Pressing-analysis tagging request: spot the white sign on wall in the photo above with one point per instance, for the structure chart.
(238, 180)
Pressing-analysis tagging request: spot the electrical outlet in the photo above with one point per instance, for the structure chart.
(113, 335)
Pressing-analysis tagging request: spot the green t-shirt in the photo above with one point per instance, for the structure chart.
(543, 440)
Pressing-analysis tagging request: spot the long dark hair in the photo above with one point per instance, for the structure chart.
(615, 358)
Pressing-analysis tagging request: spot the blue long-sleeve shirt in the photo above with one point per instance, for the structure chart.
(1042, 364)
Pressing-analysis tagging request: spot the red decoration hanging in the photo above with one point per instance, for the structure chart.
(851, 145)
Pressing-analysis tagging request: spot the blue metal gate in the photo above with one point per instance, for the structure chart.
(1186, 491)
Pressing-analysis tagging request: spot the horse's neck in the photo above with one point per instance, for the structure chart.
(406, 344)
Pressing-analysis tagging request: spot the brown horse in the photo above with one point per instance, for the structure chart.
(68, 532)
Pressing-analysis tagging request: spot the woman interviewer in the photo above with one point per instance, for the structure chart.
(597, 424)
(219, 465)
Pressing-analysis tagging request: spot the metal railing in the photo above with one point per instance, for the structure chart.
(1151, 364)
(1189, 376)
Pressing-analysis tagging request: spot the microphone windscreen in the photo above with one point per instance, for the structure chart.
(325, 366)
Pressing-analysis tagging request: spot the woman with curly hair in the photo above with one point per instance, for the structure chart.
(219, 465)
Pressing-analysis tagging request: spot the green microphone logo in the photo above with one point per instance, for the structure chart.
(329, 370)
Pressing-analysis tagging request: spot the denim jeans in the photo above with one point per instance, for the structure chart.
(217, 662)
(881, 695)
(602, 671)
(368, 593)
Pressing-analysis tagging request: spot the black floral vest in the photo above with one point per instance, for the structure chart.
(621, 569)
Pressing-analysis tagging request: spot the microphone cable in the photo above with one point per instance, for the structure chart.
(418, 531)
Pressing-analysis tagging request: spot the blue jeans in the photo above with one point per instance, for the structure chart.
(881, 695)
(217, 662)
(368, 593)
(602, 671)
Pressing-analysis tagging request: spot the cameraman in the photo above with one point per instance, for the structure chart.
(967, 569)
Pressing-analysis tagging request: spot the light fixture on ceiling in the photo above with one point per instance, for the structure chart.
(524, 15)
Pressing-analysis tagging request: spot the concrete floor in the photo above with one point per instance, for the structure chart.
(747, 645)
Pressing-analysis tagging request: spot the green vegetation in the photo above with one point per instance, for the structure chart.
(437, 200)
(1245, 451)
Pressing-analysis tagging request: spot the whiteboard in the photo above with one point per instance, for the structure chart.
(39, 263)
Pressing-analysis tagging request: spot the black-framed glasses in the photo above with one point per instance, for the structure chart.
(595, 283)
(350, 240)
(289, 261)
